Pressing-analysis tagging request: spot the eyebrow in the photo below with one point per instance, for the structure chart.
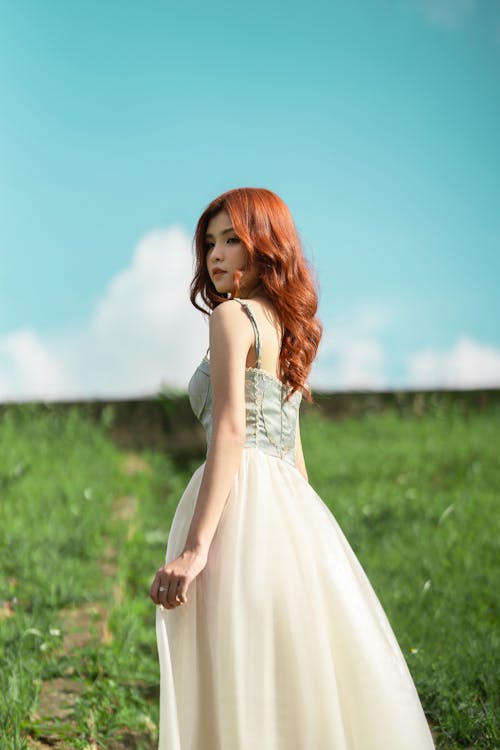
(224, 231)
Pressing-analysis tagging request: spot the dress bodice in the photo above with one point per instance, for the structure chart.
(270, 419)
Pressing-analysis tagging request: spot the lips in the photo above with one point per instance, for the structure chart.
(218, 273)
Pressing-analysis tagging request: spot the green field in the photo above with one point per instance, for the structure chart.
(83, 527)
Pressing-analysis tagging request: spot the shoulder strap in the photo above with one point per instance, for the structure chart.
(255, 328)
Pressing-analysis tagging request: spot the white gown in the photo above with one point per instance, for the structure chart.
(283, 643)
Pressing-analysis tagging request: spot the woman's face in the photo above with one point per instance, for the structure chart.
(225, 252)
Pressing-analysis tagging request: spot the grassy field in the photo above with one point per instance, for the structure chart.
(83, 527)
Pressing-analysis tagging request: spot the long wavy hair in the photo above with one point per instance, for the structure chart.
(267, 231)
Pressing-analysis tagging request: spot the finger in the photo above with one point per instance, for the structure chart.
(161, 583)
(172, 592)
(153, 592)
(182, 591)
(163, 592)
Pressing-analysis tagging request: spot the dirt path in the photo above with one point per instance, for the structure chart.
(81, 626)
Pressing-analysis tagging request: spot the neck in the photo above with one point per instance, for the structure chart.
(254, 292)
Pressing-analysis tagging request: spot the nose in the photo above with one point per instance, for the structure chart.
(217, 250)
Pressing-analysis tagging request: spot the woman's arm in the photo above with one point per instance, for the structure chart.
(229, 344)
(299, 455)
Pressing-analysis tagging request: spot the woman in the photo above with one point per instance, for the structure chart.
(270, 636)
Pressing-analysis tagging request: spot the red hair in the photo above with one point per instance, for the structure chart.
(266, 229)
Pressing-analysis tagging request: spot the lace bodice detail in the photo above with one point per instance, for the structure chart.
(270, 419)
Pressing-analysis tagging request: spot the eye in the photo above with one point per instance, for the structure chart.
(208, 246)
(234, 240)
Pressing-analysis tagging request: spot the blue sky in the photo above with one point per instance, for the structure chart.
(377, 122)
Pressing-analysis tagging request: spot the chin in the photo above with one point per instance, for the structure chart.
(223, 287)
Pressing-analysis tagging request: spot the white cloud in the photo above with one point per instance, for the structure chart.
(449, 14)
(468, 364)
(144, 332)
(350, 354)
(352, 357)
(28, 366)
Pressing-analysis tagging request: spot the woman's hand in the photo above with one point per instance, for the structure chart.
(172, 581)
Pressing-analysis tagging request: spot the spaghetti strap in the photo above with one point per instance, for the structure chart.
(255, 328)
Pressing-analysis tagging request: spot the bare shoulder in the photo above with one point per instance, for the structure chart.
(230, 338)
(227, 315)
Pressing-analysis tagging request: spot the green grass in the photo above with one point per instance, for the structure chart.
(416, 497)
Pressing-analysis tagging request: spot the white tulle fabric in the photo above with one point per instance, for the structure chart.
(283, 643)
